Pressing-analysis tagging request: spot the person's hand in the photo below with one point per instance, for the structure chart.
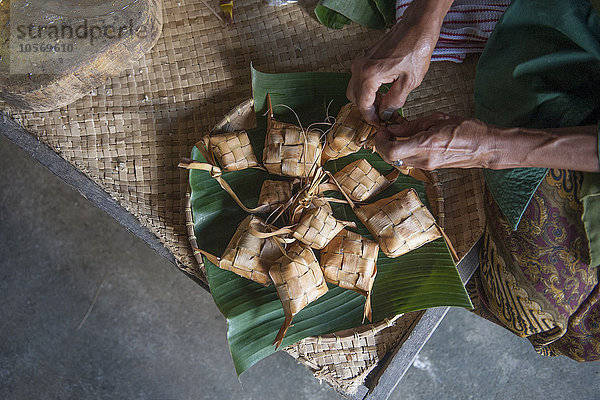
(438, 141)
(443, 141)
(401, 57)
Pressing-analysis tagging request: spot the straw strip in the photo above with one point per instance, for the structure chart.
(216, 173)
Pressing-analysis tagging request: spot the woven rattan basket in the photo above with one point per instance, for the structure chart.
(344, 359)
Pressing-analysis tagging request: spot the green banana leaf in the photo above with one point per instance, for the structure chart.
(329, 18)
(387, 8)
(423, 278)
(364, 12)
(376, 14)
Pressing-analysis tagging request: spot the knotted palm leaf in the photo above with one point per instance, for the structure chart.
(232, 150)
(400, 223)
(299, 281)
(350, 261)
(249, 255)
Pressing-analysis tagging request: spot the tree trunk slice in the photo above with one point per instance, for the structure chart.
(123, 30)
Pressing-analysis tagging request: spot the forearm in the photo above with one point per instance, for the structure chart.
(574, 148)
(428, 11)
(422, 19)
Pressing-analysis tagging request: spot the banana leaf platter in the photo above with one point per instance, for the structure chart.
(423, 278)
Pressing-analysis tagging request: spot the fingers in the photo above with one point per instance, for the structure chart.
(363, 95)
(362, 88)
(418, 125)
(386, 148)
(395, 97)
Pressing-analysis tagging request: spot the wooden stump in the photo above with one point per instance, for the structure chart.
(56, 52)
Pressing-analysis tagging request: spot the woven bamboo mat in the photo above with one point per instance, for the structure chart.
(129, 134)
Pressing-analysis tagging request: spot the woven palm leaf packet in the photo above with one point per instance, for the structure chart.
(361, 181)
(289, 149)
(400, 223)
(274, 194)
(232, 150)
(351, 132)
(248, 255)
(329, 258)
(348, 134)
(350, 261)
(299, 281)
(318, 227)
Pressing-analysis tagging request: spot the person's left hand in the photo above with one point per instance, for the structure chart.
(437, 141)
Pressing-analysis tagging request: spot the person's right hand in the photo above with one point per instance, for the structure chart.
(402, 56)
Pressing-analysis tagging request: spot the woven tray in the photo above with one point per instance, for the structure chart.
(344, 359)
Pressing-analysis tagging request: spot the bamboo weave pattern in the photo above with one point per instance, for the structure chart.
(360, 180)
(289, 151)
(400, 223)
(232, 150)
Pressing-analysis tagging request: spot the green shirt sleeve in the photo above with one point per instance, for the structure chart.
(590, 197)
(598, 144)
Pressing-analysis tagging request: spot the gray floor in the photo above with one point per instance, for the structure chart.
(154, 334)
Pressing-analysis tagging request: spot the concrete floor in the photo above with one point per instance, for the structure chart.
(154, 334)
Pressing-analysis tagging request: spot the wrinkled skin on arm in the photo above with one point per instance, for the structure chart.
(443, 141)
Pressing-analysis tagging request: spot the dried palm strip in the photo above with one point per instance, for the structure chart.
(216, 173)
(232, 150)
(250, 256)
(274, 194)
(361, 181)
(317, 227)
(290, 150)
(415, 173)
(348, 134)
(299, 281)
(350, 261)
(307, 196)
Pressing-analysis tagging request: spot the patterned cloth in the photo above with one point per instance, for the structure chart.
(540, 68)
(466, 27)
(536, 281)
